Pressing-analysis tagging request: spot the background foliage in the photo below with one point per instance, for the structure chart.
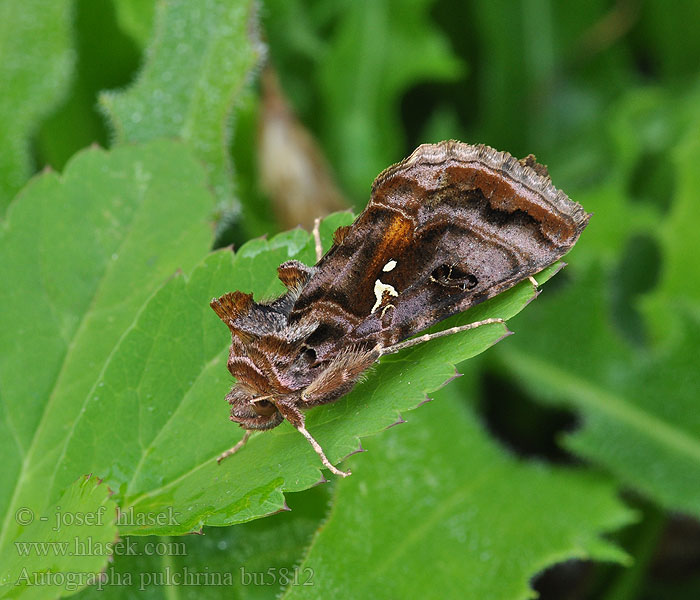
(566, 459)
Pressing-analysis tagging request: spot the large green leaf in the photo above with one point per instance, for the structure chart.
(36, 59)
(637, 394)
(437, 510)
(246, 561)
(640, 411)
(165, 382)
(63, 548)
(81, 252)
(199, 59)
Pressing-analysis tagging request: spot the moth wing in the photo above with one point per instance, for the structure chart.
(447, 228)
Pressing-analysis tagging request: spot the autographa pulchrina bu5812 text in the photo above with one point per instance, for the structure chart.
(445, 229)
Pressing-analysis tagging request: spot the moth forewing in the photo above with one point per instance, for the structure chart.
(445, 229)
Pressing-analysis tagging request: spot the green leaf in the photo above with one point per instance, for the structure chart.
(135, 17)
(678, 292)
(247, 561)
(639, 410)
(638, 402)
(64, 547)
(166, 380)
(81, 253)
(199, 59)
(437, 491)
(36, 64)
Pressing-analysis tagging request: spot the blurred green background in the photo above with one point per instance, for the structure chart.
(603, 371)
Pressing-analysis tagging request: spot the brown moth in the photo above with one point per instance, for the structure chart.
(445, 229)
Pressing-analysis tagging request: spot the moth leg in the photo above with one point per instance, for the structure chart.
(236, 448)
(296, 418)
(533, 281)
(431, 336)
(317, 238)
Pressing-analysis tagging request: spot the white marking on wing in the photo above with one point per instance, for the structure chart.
(389, 266)
(379, 290)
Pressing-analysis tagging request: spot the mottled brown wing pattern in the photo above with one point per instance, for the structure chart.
(447, 228)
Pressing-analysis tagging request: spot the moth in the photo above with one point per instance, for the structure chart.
(445, 229)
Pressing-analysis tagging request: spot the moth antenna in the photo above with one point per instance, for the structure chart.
(431, 336)
(296, 418)
(236, 448)
(317, 238)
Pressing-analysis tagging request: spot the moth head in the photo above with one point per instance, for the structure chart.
(252, 410)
